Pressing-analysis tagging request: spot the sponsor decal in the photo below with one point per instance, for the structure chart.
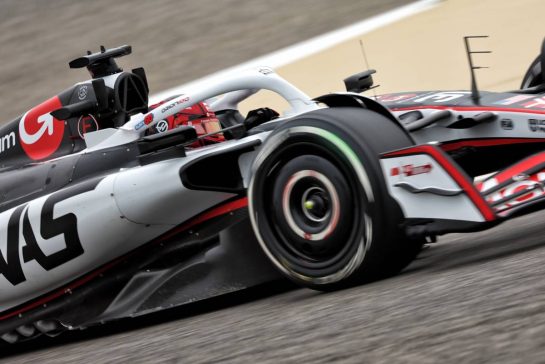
(86, 124)
(7, 141)
(395, 97)
(11, 260)
(513, 100)
(521, 182)
(520, 177)
(411, 170)
(140, 125)
(506, 124)
(170, 106)
(148, 119)
(265, 70)
(536, 125)
(535, 103)
(82, 92)
(162, 126)
(40, 134)
(442, 96)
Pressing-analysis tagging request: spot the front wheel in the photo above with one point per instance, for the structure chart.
(318, 202)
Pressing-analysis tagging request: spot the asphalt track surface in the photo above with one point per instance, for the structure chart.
(470, 298)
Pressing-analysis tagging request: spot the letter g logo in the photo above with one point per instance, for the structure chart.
(40, 133)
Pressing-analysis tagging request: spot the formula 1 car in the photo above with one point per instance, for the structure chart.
(101, 220)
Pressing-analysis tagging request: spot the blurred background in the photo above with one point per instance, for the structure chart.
(179, 41)
(175, 41)
(469, 298)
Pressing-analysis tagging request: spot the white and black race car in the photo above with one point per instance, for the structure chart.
(99, 220)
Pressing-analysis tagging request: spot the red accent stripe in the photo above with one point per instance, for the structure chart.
(215, 212)
(65, 290)
(471, 108)
(454, 172)
(520, 167)
(205, 216)
(447, 147)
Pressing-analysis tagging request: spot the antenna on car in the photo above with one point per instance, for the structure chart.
(367, 65)
(475, 96)
(363, 54)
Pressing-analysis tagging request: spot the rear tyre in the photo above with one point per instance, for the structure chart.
(533, 76)
(318, 202)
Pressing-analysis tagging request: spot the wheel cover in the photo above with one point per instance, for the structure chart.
(363, 179)
(307, 206)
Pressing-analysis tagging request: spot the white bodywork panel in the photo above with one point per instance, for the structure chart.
(123, 212)
(426, 204)
(103, 234)
(155, 194)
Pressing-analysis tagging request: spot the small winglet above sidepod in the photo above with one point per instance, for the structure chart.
(102, 63)
(360, 82)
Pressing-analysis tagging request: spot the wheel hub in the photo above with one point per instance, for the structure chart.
(316, 206)
(310, 204)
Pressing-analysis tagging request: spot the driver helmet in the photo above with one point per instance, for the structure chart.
(199, 116)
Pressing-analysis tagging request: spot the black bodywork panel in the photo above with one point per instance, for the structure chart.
(197, 263)
(26, 183)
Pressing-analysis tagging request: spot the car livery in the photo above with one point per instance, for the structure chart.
(107, 211)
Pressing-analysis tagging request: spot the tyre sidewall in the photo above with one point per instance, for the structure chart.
(379, 217)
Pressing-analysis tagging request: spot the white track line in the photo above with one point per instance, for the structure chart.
(314, 45)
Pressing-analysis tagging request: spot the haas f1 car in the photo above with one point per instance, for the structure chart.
(108, 213)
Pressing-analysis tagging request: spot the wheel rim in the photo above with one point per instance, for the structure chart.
(313, 217)
(315, 205)
(311, 205)
(335, 267)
